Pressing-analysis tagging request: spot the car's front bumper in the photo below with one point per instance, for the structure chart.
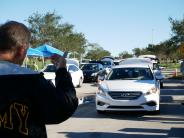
(143, 103)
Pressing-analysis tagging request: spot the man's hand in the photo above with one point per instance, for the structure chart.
(58, 61)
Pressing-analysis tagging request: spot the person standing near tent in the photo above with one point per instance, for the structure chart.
(182, 69)
(35, 66)
(28, 100)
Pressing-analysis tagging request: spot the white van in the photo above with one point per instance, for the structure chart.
(154, 66)
(153, 58)
(72, 61)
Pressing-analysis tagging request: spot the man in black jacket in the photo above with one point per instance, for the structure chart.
(27, 100)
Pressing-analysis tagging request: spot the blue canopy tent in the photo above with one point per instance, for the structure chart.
(34, 52)
(49, 50)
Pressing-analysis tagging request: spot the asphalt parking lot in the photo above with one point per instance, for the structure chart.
(86, 123)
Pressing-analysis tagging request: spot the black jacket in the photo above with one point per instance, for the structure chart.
(28, 102)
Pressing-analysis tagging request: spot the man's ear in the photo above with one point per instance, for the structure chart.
(21, 51)
(20, 54)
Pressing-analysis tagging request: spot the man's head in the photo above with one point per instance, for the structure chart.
(14, 41)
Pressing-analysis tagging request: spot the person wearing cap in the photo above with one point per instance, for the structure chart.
(28, 100)
(182, 69)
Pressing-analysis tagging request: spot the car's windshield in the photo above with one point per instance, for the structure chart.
(130, 74)
(89, 67)
(106, 63)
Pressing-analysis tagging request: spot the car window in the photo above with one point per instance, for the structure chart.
(80, 66)
(50, 68)
(90, 67)
(130, 74)
(73, 68)
(100, 66)
(106, 63)
(116, 63)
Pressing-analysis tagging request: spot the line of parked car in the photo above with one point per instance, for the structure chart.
(131, 84)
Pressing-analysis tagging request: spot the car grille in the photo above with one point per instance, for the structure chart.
(128, 95)
(125, 107)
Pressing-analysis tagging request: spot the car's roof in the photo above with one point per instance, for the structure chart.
(148, 56)
(66, 64)
(136, 60)
(92, 63)
(50, 64)
(70, 64)
(118, 60)
(53, 65)
(136, 65)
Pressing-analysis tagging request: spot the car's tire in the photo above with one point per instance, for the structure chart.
(100, 112)
(80, 82)
(161, 85)
(157, 112)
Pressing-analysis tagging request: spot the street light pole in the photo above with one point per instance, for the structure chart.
(152, 36)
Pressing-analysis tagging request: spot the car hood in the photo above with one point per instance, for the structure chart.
(89, 71)
(127, 85)
(49, 75)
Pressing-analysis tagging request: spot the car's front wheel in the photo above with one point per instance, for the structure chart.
(157, 112)
(100, 112)
(161, 85)
(80, 82)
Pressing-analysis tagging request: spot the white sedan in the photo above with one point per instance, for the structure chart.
(76, 74)
(130, 87)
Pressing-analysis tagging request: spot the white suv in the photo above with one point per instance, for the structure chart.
(130, 87)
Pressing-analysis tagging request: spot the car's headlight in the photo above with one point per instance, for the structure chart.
(151, 91)
(93, 74)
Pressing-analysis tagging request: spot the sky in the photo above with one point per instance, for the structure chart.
(116, 25)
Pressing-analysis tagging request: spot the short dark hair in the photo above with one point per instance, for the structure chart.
(12, 35)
